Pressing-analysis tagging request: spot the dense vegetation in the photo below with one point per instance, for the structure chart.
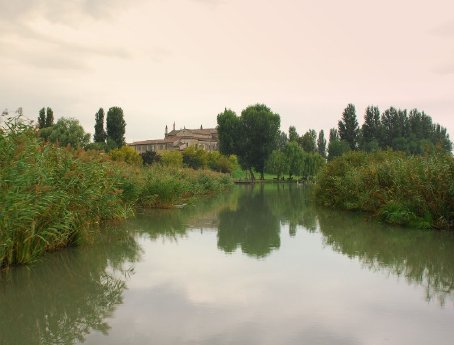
(255, 138)
(50, 196)
(399, 188)
(251, 136)
(411, 131)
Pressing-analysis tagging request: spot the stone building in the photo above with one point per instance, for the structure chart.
(178, 140)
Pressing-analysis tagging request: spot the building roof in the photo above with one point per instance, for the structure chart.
(205, 134)
(154, 141)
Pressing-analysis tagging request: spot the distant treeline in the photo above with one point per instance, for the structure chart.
(411, 131)
(398, 166)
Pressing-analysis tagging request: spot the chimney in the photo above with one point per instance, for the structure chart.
(174, 125)
(166, 131)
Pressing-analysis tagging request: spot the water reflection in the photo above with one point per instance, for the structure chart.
(423, 258)
(250, 219)
(69, 294)
(252, 226)
(75, 292)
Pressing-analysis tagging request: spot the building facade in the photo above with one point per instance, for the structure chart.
(178, 140)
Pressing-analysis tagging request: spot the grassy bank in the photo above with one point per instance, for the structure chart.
(50, 197)
(417, 191)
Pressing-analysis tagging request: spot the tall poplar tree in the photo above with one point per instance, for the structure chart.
(321, 144)
(116, 127)
(372, 124)
(49, 117)
(42, 118)
(100, 133)
(348, 127)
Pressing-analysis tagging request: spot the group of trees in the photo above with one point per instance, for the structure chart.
(68, 131)
(45, 118)
(254, 137)
(298, 155)
(251, 137)
(400, 130)
(114, 135)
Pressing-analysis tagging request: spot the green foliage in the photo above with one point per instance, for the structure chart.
(96, 147)
(337, 148)
(222, 163)
(408, 190)
(42, 118)
(312, 163)
(277, 163)
(100, 134)
(321, 144)
(229, 132)
(66, 131)
(411, 132)
(282, 140)
(51, 197)
(348, 127)
(116, 127)
(371, 129)
(172, 159)
(165, 186)
(126, 154)
(150, 157)
(308, 141)
(195, 158)
(295, 159)
(293, 134)
(49, 117)
(252, 136)
(333, 134)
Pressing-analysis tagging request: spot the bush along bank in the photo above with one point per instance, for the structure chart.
(50, 197)
(416, 191)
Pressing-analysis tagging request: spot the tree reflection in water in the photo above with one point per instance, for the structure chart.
(424, 258)
(68, 295)
(73, 292)
(251, 226)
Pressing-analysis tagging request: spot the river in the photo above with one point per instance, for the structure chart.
(257, 265)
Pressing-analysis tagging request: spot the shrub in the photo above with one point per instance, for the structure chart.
(126, 154)
(172, 159)
(407, 190)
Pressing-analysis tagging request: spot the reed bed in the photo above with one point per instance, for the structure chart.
(417, 191)
(51, 197)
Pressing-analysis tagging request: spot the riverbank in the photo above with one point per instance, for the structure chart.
(417, 191)
(53, 197)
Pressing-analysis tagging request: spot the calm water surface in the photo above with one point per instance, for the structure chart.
(259, 265)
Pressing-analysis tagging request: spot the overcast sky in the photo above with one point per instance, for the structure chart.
(186, 60)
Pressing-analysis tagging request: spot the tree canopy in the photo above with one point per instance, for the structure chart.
(348, 127)
(67, 131)
(116, 127)
(45, 118)
(252, 136)
(100, 134)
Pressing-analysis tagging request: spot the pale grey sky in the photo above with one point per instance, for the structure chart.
(186, 60)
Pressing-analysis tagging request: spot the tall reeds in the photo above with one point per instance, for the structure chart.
(409, 190)
(50, 197)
